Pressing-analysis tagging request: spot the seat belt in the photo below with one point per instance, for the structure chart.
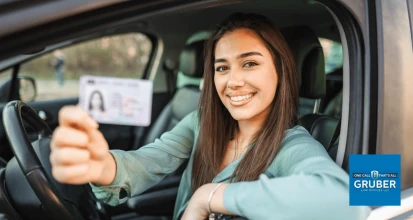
(138, 135)
(335, 135)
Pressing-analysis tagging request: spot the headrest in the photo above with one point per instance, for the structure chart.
(191, 59)
(309, 58)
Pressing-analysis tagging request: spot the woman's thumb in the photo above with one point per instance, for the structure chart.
(97, 144)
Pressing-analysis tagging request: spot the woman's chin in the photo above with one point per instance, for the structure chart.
(248, 114)
(242, 115)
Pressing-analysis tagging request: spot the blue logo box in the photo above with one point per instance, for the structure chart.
(375, 180)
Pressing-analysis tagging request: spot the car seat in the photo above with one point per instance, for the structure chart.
(185, 99)
(309, 58)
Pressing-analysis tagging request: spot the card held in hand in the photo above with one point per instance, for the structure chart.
(120, 101)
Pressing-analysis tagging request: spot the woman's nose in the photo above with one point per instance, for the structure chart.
(236, 79)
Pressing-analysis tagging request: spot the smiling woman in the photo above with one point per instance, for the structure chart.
(247, 155)
(247, 57)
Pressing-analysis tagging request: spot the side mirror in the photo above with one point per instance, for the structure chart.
(24, 90)
(27, 88)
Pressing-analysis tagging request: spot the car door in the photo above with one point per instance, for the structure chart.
(395, 43)
(49, 81)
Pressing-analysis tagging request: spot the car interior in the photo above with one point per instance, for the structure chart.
(176, 68)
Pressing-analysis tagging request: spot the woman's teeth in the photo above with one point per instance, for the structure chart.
(241, 98)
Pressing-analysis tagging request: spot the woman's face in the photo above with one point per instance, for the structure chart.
(96, 101)
(245, 75)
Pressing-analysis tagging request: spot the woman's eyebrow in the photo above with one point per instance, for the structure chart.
(247, 54)
(220, 61)
(253, 53)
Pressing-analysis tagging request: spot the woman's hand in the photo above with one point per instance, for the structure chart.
(79, 152)
(197, 208)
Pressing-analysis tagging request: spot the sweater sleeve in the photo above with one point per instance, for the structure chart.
(302, 183)
(137, 171)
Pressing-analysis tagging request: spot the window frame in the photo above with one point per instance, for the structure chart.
(352, 130)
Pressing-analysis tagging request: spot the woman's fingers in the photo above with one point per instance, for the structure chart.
(70, 141)
(75, 174)
(74, 116)
(67, 136)
(69, 156)
(78, 148)
(97, 144)
(78, 129)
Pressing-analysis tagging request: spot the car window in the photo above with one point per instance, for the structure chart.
(333, 55)
(57, 73)
(5, 77)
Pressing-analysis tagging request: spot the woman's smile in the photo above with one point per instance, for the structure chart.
(240, 100)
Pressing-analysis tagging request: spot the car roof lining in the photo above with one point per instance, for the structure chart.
(282, 13)
(184, 23)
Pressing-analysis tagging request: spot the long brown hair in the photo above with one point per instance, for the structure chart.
(217, 127)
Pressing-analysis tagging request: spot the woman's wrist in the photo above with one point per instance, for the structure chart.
(108, 172)
(216, 202)
(211, 194)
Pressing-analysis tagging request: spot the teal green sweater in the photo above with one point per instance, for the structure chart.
(301, 183)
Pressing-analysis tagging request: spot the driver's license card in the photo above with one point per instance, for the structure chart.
(120, 101)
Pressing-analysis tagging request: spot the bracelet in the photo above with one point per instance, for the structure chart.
(210, 197)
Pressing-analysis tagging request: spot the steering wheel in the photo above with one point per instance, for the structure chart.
(58, 200)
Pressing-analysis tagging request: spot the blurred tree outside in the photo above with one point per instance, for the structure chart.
(118, 56)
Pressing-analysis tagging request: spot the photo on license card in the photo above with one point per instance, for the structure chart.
(121, 101)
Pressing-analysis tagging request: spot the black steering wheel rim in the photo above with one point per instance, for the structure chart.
(14, 115)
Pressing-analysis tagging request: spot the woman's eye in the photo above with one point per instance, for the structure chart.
(221, 68)
(250, 64)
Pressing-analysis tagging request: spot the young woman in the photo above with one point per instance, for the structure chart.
(247, 155)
